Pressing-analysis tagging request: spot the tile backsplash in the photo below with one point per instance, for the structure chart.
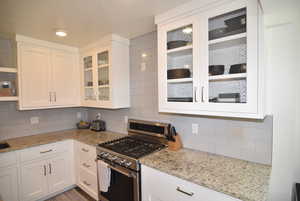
(245, 139)
(14, 123)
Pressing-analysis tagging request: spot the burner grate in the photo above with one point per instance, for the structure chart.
(132, 147)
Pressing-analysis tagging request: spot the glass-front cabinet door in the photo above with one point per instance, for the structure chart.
(231, 59)
(177, 64)
(103, 65)
(88, 76)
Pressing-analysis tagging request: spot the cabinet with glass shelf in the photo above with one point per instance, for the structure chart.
(212, 67)
(8, 68)
(106, 73)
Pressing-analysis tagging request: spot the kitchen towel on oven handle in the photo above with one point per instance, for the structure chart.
(104, 174)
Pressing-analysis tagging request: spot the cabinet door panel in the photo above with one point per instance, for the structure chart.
(33, 181)
(65, 78)
(59, 174)
(8, 184)
(34, 74)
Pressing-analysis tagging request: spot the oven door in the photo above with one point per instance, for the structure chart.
(124, 185)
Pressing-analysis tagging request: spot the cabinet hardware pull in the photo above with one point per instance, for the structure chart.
(85, 150)
(50, 168)
(86, 183)
(54, 96)
(184, 192)
(195, 94)
(43, 152)
(86, 165)
(44, 170)
(50, 97)
(202, 95)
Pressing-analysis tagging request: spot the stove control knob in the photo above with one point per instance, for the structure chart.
(128, 164)
(122, 161)
(105, 154)
(113, 158)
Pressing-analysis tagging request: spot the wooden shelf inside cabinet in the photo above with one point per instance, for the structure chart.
(103, 86)
(88, 69)
(228, 77)
(9, 98)
(228, 41)
(181, 80)
(103, 66)
(8, 70)
(181, 51)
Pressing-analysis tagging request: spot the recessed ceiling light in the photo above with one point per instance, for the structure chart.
(187, 30)
(61, 33)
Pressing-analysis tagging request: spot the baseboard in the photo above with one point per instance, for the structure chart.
(57, 193)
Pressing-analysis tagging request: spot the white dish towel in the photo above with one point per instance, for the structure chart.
(104, 176)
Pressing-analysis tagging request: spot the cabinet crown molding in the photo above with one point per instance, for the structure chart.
(26, 39)
(105, 41)
(188, 9)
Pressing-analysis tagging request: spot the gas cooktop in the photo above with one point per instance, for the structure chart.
(132, 146)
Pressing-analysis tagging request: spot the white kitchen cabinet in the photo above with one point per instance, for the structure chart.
(59, 175)
(159, 186)
(46, 169)
(86, 169)
(9, 184)
(105, 73)
(225, 34)
(33, 178)
(48, 75)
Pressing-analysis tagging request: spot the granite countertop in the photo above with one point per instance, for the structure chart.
(85, 136)
(244, 180)
(240, 179)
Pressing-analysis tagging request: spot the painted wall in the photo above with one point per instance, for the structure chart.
(249, 140)
(14, 123)
(283, 58)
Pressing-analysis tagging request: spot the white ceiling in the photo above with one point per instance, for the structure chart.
(85, 20)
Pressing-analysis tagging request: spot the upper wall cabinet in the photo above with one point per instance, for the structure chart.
(105, 73)
(48, 75)
(8, 67)
(210, 60)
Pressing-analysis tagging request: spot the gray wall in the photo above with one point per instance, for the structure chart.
(249, 140)
(14, 123)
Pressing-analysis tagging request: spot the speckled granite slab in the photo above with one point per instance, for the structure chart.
(240, 179)
(85, 136)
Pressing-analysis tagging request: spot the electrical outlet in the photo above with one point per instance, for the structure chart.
(143, 66)
(34, 120)
(195, 129)
(78, 115)
(126, 119)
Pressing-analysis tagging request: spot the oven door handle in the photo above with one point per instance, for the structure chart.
(128, 174)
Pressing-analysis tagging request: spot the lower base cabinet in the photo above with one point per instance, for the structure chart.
(159, 186)
(9, 184)
(41, 178)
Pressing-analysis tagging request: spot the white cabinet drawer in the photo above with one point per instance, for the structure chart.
(44, 150)
(161, 186)
(86, 152)
(88, 182)
(8, 158)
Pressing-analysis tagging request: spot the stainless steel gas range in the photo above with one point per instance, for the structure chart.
(122, 157)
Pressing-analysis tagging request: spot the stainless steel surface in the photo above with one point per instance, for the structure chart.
(195, 94)
(184, 192)
(202, 96)
(117, 158)
(43, 152)
(44, 170)
(50, 168)
(129, 173)
(140, 132)
(85, 150)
